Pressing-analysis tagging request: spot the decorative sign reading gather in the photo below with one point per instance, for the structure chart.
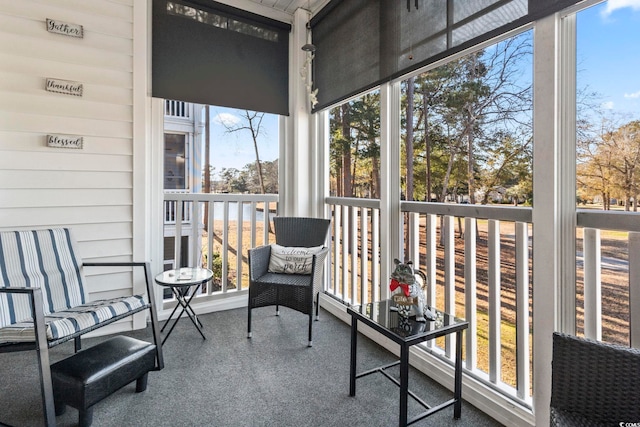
(64, 86)
(64, 28)
(64, 141)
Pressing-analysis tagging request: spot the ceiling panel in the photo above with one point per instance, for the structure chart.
(290, 6)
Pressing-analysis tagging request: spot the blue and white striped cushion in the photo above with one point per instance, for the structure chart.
(67, 322)
(39, 258)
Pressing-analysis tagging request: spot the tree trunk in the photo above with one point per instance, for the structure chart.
(409, 140)
(427, 143)
(470, 170)
(346, 151)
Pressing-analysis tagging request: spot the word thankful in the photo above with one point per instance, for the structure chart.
(64, 86)
(64, 28)
(64, 141)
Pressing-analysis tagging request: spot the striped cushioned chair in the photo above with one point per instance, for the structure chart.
(44, 302)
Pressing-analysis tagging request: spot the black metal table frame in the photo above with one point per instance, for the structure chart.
(181, 291)
(405, 344)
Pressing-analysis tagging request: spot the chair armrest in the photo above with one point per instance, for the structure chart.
(18, 290)
(318, 268)
(36, 302)
(151, 296)
(259, 261)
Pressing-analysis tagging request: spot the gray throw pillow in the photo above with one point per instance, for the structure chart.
(292, 260)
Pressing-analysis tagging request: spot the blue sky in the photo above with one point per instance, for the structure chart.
(609, 54)
(235, 150)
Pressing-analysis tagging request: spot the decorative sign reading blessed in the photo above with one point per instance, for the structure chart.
(64, 86)
(64, 141)
(64, 28)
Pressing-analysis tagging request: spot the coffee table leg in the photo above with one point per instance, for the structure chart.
(354, 345)
(457, 408)
(404, 384)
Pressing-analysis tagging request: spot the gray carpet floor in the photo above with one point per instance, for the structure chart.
(271, 380)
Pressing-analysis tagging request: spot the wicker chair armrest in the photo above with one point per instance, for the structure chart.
(318, 269)
(259, 261)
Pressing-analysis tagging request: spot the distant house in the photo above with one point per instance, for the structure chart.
(183, 133)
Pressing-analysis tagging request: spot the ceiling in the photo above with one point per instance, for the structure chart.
(290, 6)
(282, 10)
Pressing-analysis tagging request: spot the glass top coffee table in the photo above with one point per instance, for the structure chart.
(382, 317)
(181, 281)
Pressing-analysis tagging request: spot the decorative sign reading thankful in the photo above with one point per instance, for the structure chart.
(64, 86)
(64, 28)
(64, 141)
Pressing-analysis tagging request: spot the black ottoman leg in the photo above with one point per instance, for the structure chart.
(86, 417)
(141, 383)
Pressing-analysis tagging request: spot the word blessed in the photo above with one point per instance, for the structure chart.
(64, 86)
(64, 28)
(64, 141)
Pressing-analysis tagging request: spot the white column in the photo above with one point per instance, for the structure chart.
(297, 168)
(390, 219)
(567, 174)
(546, 223)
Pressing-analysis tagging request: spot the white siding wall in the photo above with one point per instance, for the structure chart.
(90, 190)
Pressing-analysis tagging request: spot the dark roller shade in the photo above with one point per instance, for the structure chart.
(363, 43)
(210, 53)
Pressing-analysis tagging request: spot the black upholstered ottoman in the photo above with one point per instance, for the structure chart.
(85, 378)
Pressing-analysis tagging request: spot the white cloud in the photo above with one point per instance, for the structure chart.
(632, 95)
(227, 119)
(613, 5)
(607, 105)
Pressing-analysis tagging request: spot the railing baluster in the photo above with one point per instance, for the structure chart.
(431, 221)
(431, 236)
(196, 232)
(493, 265)
(364, 257)
(345, 254)
(353, 249)
(413, 231)
(592, 284)
(239, 246)
(449, 276)
(254, 208)
(523, 359)
(177, 263)
(210, 241)
(470, 293)
(337, 247)
(375, 254)
(634, 288)
(225, 246)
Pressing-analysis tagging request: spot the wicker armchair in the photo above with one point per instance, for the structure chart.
(593, 383)
(296, 291)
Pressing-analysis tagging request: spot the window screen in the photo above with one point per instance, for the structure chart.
(362, 43)
(210, 53)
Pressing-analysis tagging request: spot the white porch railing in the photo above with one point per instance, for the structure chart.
(484, 274)
(221, 229)
(178, 109)
(171, 208)
(623, 269)
(478, 259)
